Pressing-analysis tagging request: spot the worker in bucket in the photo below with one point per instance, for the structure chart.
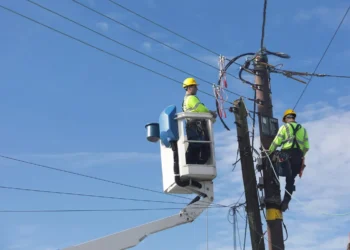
(295, 144)
(197, 153)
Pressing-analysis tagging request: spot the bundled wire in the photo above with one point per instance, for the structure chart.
(222, 76)
(219, 91)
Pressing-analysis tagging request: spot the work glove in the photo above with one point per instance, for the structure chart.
(214, 114)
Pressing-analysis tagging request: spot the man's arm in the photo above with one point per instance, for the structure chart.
(278, 139)
(306, 142)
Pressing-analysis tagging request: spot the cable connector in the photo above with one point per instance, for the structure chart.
(262, 202)
(259, 165)
(258, 101)
(261, 183)
(257, 87)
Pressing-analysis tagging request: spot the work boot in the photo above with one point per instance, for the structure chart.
(284, 204)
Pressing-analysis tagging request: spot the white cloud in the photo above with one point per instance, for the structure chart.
(344, 101)
(102, 25)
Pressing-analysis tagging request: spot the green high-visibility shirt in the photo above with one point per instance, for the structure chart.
(193, 104)
(285, 137)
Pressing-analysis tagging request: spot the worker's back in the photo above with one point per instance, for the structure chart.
(301, 136)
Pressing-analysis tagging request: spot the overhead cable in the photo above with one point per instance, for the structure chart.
(126, 46)
(164, 44)
(91, 195)
(167, 29)
(263, 26)
(90, 210)
(94, 177)
(303, 74)
(101, 50)
(324, 53)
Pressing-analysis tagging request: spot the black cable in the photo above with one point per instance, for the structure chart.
(285, 228)
(263, 26)
(303, 74)
(124, 45)
(236, 162)
(253, 128)
(99, 49)
(89, 195)
(164, 44)
(161, 26)
(89, 210)
(245, 231)
(324, 53)
(261, 237)
(95, 178)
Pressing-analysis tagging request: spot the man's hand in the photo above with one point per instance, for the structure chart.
(214, 114)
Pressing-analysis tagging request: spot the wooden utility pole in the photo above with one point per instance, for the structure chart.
(268, 127)
(248, 172)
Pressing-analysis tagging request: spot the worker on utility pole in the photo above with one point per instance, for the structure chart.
(295, 144)
(197, 153)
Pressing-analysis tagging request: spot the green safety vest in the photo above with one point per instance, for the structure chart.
(191, 103)
(291, 135)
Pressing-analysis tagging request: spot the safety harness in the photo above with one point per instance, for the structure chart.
(283, 157)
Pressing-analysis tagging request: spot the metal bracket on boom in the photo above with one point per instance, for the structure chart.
(131, 237)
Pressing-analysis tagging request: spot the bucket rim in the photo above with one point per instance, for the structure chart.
(152, 123)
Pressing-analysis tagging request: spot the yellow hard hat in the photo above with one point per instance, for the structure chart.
(189, 82)
(288, 112)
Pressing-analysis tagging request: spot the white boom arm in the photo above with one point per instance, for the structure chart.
(131, 237)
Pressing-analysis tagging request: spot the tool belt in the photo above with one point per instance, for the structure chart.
(282, 163)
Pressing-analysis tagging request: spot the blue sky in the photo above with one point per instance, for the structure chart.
(69, 106)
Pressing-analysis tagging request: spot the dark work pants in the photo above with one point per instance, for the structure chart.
(197, 153)
(295, 161)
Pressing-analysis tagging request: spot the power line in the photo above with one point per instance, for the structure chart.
(90, 195)
(324, 53)
(89, 210)
(102, 50)
(126, 46)
(95, 178)
(263, 26)
(303, 74)
(167, 29)
(164, 44)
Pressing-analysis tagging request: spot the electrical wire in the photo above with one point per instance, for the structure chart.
(263, 26)
(91, 195)
(95, 178)
(245, 231)
(124, 45)
(304, 74)
(99, 49)
(164, 44)
(88, 210)
(285, 229)
(324, 53)
(225, 69)
(167, 29)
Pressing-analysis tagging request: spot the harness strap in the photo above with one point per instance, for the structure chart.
(295, 130)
